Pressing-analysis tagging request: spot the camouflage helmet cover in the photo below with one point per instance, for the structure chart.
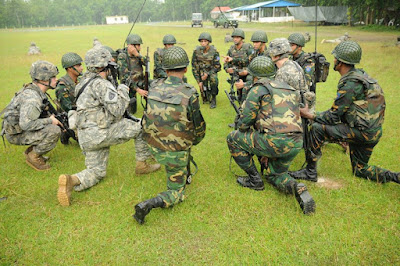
(205, 36)
(174, 58)
(43, 70)
(111, 50)
(70, 59)
(238, 33)
(259, 36)
(348, 52)
(169, 39)
(134, 39)
(97, 57)
(279, 46)
(297, 38)
(262, 66)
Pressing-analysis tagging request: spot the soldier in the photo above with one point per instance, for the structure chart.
(205, 68)
(356, 117)
(113, 78)
(172, 124)
(130, 69)
(259, 39)
(342, 38)
(100, 124)
(33, 49)
(26, 121)
(269, 126)
(237, 60)
(168, 41)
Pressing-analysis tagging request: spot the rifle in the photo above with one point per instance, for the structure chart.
(206, 89)
(232, 80)
(306, 133)
(232, 101)
(190, 175)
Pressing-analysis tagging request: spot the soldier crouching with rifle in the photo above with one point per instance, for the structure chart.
(172, 124)
(270, 126)
(26, 122)
(205, 68)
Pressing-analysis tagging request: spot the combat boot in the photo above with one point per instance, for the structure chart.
(65, 185)
(143, 208)
(396, 179)
(309, 173)
(253, 180)
(306, 202)
(142, 167)
(213, 102)
(36, 161)
(29, 149)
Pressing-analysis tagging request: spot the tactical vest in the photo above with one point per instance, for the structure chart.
(368, 112)
(205, 59)
(282, 114)
(165, 121)
(71, 89)
(134, 65)
(242, 53)
(321, 65)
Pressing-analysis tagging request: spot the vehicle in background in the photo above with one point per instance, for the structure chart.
(225, 20)
(197, 19)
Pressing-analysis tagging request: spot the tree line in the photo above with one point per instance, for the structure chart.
(42, 13)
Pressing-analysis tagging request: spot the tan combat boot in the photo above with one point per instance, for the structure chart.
(144, 168)
(36, 161)
(29, 149)
(65, 185)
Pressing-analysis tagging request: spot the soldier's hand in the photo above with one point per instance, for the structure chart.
(142, 92)
(229, 70)
(135, 51)
(201, 86)
(243, 73)
(204, 76)
(227, 59)
(305, 112)
(55, 121)
(239, 85)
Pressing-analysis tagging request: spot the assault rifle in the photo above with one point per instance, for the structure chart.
(206, 89)
(232, 80)
(232, 101)
(306, 133)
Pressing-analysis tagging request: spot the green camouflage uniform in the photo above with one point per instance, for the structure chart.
(206, 63)
(159, 72)
(355, 117)
(65, 93)
(172, 124)
(248, 83)
(269, 126)
(131, 67)
(308, 65)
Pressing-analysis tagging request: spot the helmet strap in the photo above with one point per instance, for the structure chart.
(79, 73)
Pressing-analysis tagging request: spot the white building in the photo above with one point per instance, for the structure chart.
(117, 20)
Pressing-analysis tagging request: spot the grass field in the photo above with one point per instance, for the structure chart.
(356, 222)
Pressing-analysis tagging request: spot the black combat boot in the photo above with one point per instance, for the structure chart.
(309, 173)
(143, 208)
(396, 179)
(64, 138)
(253, 180)
(213, 102)
(306, 202)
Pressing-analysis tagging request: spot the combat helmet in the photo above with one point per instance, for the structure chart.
(259, 36)
(43, 70)
(97, 57)
(174, 58)
(205, 36)
(169, 39)
(348, 52)
(298, 39)
(111, 50)
(238, 33)
(262, 66)
(133, 39)
(70, 59)
(279, 46)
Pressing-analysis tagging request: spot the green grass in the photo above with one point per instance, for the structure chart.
(220, 222)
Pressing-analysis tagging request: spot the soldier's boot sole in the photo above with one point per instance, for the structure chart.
(303, 197)
(64, 190)
(149, 169)
(141, 210)
(245, 182)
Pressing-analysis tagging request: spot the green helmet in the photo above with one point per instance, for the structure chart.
(348, 52)
(262, 66)
(298, 39)
(259, 36)
(238, 33)
(279, 46)
(205, 36)
(97, 57)
(70, 59)
(43, 70)
(174, 58)
(133, 39)
(169, 39)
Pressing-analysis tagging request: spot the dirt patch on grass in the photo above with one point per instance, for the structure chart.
(329, 183)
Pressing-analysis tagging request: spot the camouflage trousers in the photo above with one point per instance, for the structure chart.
(212, 83)
(42, 140)
(175, 163)
(96, 153)
(280, 149)
(360, 143)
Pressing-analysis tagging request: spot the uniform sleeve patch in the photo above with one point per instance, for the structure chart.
(111, 96)
(308, 69)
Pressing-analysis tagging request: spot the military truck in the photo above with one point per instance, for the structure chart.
(197, 19)
(225, 20)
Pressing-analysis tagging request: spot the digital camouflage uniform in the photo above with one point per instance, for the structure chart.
(173, 123)
(33, 49)
(308, 65)
(23, 125)
(65, 92)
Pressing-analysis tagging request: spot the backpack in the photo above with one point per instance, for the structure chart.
(321, 66)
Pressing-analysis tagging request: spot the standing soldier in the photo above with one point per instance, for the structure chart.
(356, 117)
(259, 39)
(100, 124)
(26, 121)
(168, 41)
(130, 69)
(237, 60)
(269, 126)
(205, 68)
(172, 124)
